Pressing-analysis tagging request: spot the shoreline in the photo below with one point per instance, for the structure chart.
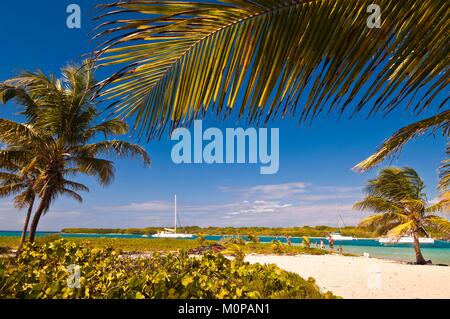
(365, 278)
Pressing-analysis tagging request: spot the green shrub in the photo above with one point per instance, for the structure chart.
(232, 241)
(47, 239)
(306, 242)
(41, 271)
(278, 247)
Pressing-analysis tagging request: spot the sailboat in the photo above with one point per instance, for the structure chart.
(338, 235)
(172, 232)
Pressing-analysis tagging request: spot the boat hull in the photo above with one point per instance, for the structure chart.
(406, 240)
(173, 236)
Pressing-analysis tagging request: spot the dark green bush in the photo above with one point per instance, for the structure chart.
(41, 271)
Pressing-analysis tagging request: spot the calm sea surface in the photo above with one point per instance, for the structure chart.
(439, 252)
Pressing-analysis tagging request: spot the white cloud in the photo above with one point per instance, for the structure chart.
(269, 191)
(295, 190)
(151, 206)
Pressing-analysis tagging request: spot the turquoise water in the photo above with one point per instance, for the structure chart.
(439, 252)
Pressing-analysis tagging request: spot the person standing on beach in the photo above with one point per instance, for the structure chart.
(322, 246)
(331, 242)
(288, 240)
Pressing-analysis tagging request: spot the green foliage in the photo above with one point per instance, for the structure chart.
(253, 239)
(262, 248)
(47, 239)
(136, 231)
(237, 251)
(201, 239)
(306, 242)
(278, 247)
(231, 241)
(42, 272)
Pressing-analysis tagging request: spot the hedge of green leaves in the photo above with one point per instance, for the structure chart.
(42, 272)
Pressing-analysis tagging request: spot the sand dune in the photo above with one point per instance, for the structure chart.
(361, 277)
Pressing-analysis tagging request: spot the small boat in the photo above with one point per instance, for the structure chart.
(339, 236)
(405, 240)
(172, 233)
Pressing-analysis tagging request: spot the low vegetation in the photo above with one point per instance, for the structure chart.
(143, 245)
(317, 231)
(43, 271)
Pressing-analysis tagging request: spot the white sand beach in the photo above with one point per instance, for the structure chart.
(364, 278)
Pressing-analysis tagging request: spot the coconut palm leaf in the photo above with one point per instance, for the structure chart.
(377, 205)
(115, 148)
(401, 229)
(10, 189)
(438, 223)
(107, 128)
(260, 58)
(15, 133)
(444, 172)
(102, 169)
(443, 205)
(396, 142)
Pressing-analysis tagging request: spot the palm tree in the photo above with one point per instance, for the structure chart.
(12, 182)
(62, 134)
(397, 196)
(261, 58)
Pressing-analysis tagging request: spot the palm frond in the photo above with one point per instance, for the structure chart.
(10, 189)
(443, 205)
(100, 168)
(444, 172)
(70, 193)
(117, 148)
(11, 92)
(401, 229)
(380, 221)
(439, 224)
(12, 159)
(396, 184)
(16, 133)
(107, 128)
(377, 205)
(75, 186)
(260, 58)
(24, 199)
(396, 142)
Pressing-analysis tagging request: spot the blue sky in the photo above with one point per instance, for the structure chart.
(315, 161)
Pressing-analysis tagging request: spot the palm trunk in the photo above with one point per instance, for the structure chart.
(25, 227)
(419, 258)
(37, 216)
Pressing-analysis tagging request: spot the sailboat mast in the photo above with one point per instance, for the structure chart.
(175, 214)
(337, 217)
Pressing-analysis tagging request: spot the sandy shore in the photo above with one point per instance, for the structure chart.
(361, 277)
